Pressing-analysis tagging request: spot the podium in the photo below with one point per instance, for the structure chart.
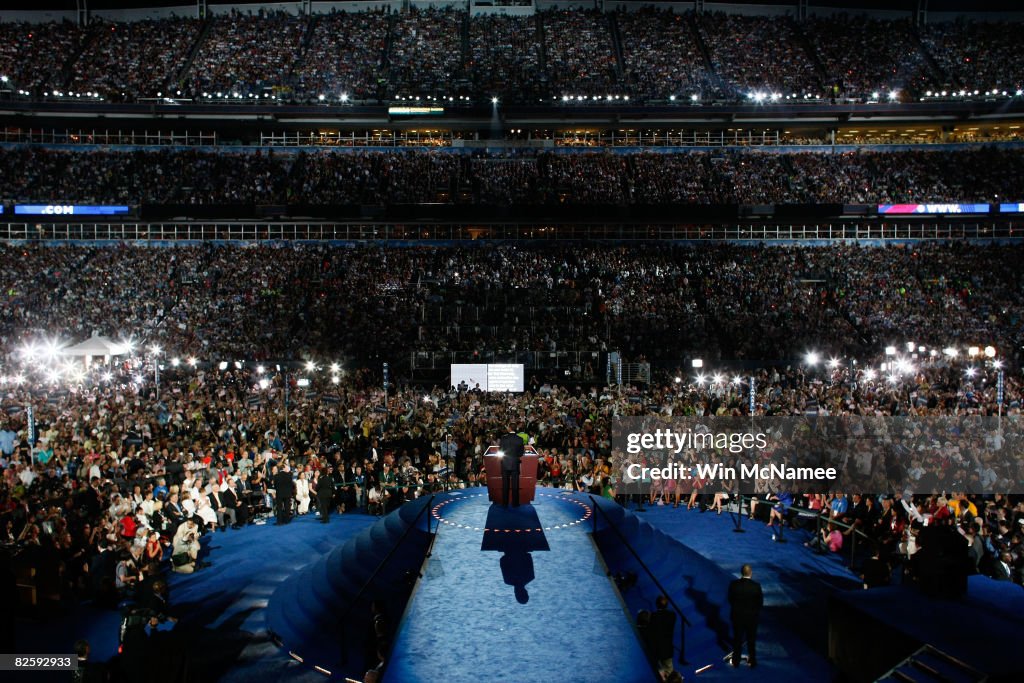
(527, 475)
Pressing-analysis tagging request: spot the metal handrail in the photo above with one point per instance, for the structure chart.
(682, 617)
(359, 594)
(817, 521)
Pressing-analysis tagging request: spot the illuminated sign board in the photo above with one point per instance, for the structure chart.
(1012, 208)
(932, 208)
(415, 111)
(69, 210)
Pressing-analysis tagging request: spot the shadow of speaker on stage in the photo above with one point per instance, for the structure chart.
(515, 533)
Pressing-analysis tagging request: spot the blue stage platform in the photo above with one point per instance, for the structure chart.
(537, 605)
(516, 595)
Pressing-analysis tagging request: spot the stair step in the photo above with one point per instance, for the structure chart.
(944, 668)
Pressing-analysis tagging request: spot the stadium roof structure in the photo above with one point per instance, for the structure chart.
(890, 5)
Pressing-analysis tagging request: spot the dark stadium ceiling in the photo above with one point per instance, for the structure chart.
(908, 5)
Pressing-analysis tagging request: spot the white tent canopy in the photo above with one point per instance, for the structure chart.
(95, 345)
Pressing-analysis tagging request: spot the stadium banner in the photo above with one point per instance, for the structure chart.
(70, 210)
(1012, 208)
(817, 454)
(932, 209)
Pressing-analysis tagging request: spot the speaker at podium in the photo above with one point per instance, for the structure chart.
(527, 474)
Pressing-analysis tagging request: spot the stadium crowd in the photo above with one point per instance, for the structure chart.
(752, 55)
(662, 57)
(247, 55)
(426, 53)
(141, 58)
(665, 304)
(101, 500)
(126, 475)
(384, 177)
(444, 52)
(343, 56)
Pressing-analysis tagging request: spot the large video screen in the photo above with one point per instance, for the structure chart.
(932, 208)
(500, 377)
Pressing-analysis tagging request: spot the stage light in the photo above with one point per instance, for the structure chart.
(971, 372)
(893, 95)
(737, 380)
(694, 97)
(28, 352)
(869, 374)
(700, 380)
(51, 351)
(997, 364)
(138, 379)
(494, 100)
(106, 377)
(812, 358)
(192, 361)
(260, 369)
(344, 97)
(874, 95)
(990, 352)
(175, 362)
(717, 378)
(321, 98)
(335, 379)
(310, 366)
(833, 363)
(223, 365)
(335, 368)
(155, 349)
(671, 98)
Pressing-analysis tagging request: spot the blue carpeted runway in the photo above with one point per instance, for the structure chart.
(523, 595)
(516, 595)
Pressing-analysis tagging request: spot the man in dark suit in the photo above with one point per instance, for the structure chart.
(231, 498)
(660, 633)
(284, 491)
(512, 450)
(746, 600)
(224, 511)
(325, 493)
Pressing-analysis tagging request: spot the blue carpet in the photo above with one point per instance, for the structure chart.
(222, 605)
(984, 628)
(527, 600)
(322, 613)
(695, 556)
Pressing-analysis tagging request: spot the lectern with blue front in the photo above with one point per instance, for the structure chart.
(527, 475)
